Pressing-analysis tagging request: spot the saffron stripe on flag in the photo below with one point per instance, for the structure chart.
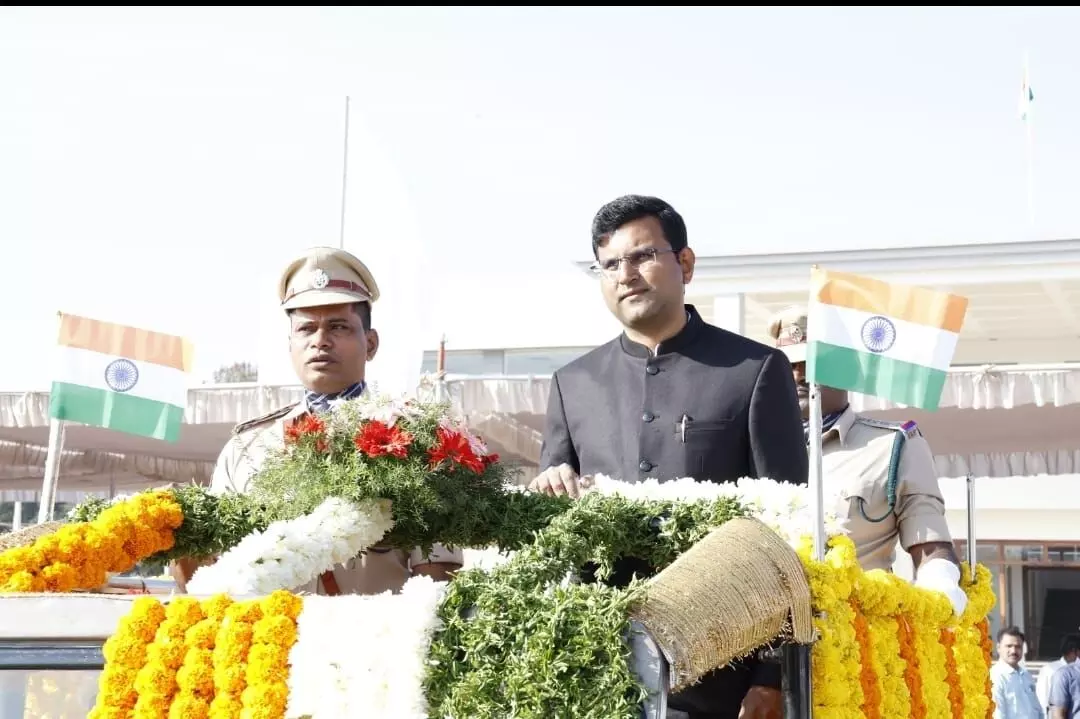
(132, 343)
(918, 305)
(875, 375)
(116, 411)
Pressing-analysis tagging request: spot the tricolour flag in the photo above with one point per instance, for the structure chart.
(121, 378)
(886, 340)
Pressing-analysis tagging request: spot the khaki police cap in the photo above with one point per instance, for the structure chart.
(788, 330)
(326, 276)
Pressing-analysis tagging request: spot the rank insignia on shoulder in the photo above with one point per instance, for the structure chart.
(268, 417)
(909, 428)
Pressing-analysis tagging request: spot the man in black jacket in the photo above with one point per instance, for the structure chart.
(672, 397)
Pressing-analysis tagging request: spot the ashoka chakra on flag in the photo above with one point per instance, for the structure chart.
(121, 375)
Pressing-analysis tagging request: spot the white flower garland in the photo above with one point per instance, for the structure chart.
(364, 656)
(785, 508)
(291, 553)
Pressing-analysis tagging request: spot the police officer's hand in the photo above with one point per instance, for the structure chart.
(556, 481)
(762, 703)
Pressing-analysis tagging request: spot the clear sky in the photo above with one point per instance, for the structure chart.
(158, 167)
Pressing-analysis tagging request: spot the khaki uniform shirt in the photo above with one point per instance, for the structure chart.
(856, 452)
(375, 570)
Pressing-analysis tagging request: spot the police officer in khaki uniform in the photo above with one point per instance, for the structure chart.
(328, 294)
(880, 474)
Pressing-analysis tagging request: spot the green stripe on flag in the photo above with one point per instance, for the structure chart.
(116, 411)
(868, 373)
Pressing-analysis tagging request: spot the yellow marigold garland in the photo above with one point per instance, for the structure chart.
(195, 660)
(835, 662)
(885, 649)
(156, 681)
(987, 648)
(267, 675)
(79, 556)
(233, 643)
(879, 594)
(928, 612)
(125, 654)
(917, 672)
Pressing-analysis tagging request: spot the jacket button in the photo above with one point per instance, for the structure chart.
(651, 369)
(644, 465)
(648, 417)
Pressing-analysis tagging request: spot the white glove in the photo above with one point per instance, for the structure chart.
(941, 575)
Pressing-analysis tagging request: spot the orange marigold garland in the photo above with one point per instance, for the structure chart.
(871, 705)
(911, 668)
(80, 555)
(956, 693)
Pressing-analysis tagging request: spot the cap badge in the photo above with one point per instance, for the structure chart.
(790, 335)
(319, 279)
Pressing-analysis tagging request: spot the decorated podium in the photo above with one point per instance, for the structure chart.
(731, 572)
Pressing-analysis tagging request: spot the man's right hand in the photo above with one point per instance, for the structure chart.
(556, 481)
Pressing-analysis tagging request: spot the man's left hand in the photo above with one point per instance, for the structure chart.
(762, 703)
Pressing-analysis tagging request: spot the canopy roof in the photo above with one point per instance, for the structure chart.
(994, 422)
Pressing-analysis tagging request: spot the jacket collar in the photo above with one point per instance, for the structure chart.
(677, 344)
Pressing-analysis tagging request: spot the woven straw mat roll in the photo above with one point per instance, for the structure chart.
(739, 588)
(26, 536)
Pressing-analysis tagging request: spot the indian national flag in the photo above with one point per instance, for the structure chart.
(122, 378)
(885, 340)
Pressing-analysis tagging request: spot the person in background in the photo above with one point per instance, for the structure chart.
(670, 397)
(327, 295)
(1070, 649)
(1065, 692)
(1013, 686)
(881, 474)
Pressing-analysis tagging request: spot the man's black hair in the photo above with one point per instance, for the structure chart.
(1012, 631)
(628, 208)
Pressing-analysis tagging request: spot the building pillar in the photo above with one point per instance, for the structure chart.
(729, 313)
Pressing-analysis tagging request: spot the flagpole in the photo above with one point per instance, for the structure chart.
(1030, 143)
(972, 543)
(55, 449)
(817, 487)
(344, 176)
(52, 471)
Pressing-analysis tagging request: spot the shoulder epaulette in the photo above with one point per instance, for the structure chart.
(908, 427)
(269, 417)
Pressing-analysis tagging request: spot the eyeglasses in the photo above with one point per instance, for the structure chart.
(637, 259)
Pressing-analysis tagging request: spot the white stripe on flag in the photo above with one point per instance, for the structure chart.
(87, 368)
(915, 343)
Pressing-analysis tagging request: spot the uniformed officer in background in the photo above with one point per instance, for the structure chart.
(880, 474)
(327, 294)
